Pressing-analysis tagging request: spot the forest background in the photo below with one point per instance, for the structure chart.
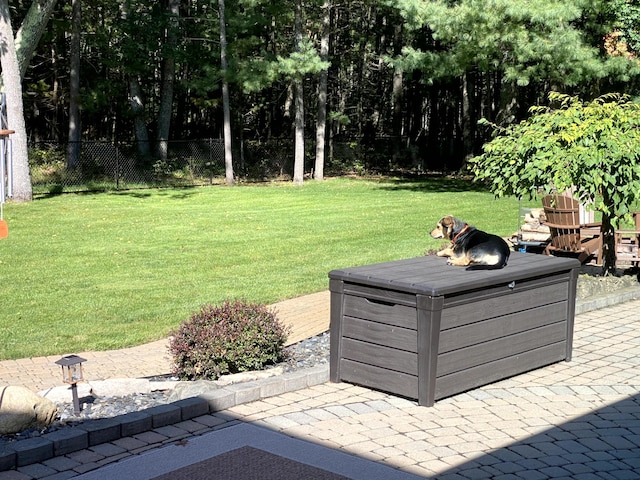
(294, 87)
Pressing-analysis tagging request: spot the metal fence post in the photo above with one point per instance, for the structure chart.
(117, 166)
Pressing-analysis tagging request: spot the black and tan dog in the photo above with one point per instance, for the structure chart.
(471, 247)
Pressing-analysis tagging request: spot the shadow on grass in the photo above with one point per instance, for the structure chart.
(173, 192)
(432, 183)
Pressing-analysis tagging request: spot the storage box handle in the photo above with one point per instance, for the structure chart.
(380, 302)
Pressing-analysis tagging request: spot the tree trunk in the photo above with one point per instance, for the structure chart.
(75, 133)
(139, 123)
(168, 77)
(22, 189)
(29, 34)
(137, 107)
(298, 165)
(228, 154)
(321, 126)
(469, 119)
(608, 237)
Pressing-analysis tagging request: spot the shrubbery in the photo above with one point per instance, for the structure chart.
(234, 337)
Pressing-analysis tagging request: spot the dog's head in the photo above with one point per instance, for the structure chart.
(447, 227)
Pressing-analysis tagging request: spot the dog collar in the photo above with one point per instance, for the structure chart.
(466, 227)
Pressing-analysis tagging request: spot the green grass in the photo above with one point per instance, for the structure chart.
(103, 271)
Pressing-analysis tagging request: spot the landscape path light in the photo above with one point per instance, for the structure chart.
(72, 374)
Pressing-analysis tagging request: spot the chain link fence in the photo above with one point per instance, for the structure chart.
(119, 166)
(102, 166)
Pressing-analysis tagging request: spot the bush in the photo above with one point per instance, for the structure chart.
(231, 338)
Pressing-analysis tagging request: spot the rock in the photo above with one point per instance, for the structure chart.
(63, 393)
(119, 387)
(248, 376)
(21, 409)
(191, 389)
(116, 387)
(182, 390)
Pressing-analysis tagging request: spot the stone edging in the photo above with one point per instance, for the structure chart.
(95, 432)
(621, 296)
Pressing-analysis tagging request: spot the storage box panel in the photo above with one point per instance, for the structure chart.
(383, 295)
(500, 348)
(379, 378)
(485, 330)
(385, 357)
(461, 310)
(380, 334)
(504, 368)
(380, 311)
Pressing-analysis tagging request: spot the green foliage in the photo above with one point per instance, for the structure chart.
(542, 40)
(627, 13)
(592, 146)
(231, 338)
(262, 71)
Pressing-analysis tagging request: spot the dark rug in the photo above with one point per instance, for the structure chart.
(249, 463)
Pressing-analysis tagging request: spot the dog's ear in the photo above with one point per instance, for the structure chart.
(448, 222)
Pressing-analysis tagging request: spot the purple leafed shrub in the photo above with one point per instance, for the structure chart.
(230, 338)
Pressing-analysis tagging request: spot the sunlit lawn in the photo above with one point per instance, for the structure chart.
(100, 271)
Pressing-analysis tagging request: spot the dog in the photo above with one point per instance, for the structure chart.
(470, 247)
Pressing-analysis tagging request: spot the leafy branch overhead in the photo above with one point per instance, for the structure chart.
(592, 147)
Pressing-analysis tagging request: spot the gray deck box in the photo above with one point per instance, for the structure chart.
(425, 330)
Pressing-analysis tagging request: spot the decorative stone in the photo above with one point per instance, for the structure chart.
(191, 389)
(117, 387)
(21, 409)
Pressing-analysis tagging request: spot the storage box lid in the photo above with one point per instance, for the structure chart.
(430, 275)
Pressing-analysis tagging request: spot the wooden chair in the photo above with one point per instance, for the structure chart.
(627, 251)
(568, 235)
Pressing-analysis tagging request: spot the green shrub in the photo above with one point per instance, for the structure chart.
(231, 338)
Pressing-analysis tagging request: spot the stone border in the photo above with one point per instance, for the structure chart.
(95, 432)
(103, 430)
(621, 296)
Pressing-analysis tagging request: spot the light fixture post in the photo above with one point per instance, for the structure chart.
(72, 374)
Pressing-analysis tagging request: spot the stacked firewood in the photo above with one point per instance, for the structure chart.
(533, 228)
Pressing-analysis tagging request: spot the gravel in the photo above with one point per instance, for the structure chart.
(307, 353)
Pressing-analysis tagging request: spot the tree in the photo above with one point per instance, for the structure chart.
(31, 30)
(75, 131)
(298, 162)
(22, 190)
(321, 122)
(168, 77)
(497, 49)
(136, 101)
(228, 155)
(591, 146)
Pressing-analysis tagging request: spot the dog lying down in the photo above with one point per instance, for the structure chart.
(470, 247)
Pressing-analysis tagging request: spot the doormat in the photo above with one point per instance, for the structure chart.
(249, 463)
(245, 452)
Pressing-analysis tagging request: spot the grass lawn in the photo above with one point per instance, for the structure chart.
(103, 271)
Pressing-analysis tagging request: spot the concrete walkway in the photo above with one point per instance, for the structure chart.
(578, 419)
